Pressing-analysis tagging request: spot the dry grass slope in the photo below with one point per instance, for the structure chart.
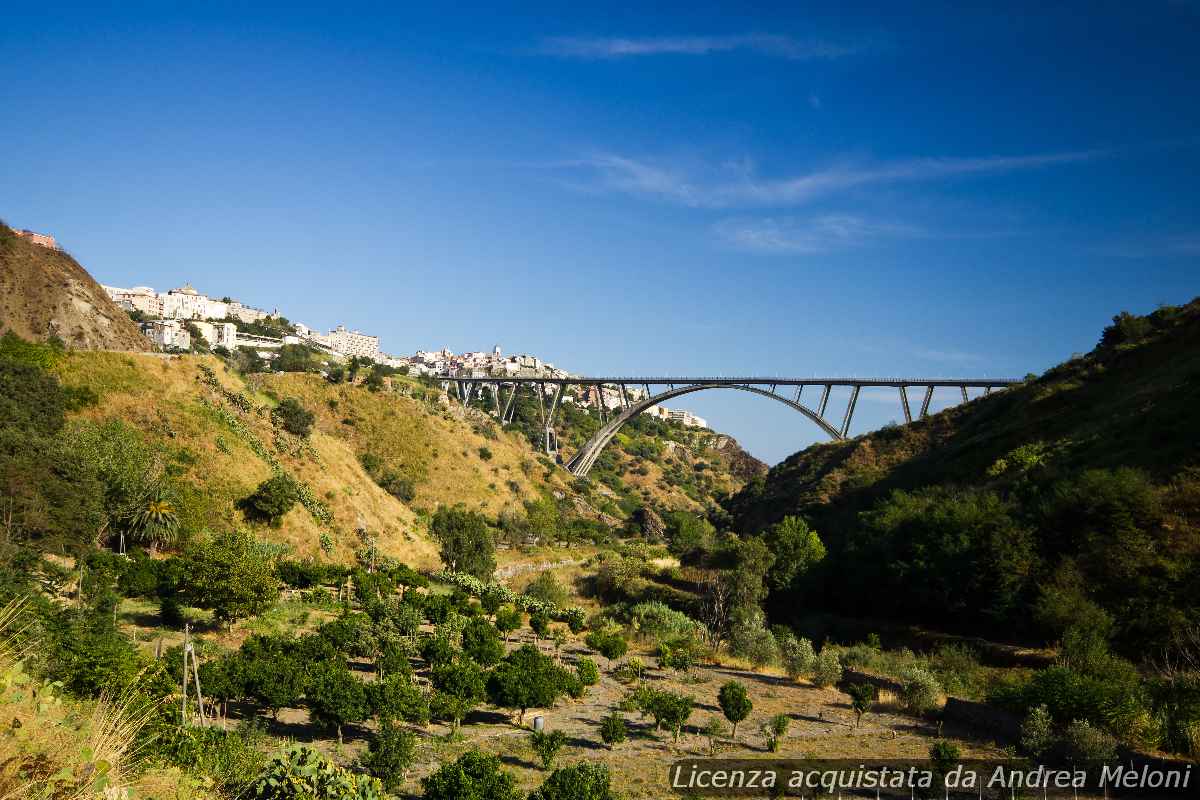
(213, 445)
(46, 293)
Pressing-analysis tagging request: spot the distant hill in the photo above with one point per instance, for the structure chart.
(45, 293)
(1129, 403)
(1082, 484)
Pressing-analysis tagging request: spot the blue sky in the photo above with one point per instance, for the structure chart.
(847, 189)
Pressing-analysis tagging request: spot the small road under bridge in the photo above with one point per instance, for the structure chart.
(808, 396)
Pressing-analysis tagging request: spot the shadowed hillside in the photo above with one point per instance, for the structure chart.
(1131, 403)
(1072, 497)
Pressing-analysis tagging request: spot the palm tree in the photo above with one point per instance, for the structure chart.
(154, 519)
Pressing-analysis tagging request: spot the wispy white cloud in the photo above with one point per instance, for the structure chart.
(606, 47)
(745, 189)
(819, 234)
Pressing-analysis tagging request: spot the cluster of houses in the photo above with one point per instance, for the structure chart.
(495, 364)
(171, 318)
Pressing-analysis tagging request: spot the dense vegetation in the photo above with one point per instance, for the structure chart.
(1078, 487)
(1065, 512)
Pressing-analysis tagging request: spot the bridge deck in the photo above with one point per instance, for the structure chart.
(684, 381)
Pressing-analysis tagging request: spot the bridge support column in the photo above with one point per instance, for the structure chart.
(904, 404)
(824, 400)
(964, 393)
(925, 402)
(850, 410)
(510, 406)
(551, 439)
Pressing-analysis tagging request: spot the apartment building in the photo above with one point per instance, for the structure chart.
(354, 343)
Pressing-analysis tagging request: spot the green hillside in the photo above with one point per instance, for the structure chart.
(1080, 486)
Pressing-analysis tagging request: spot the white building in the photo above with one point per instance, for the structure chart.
(685, 418)
(186, 303)
(245, 313)
(169, 334)
(218, 334)
(354, 343)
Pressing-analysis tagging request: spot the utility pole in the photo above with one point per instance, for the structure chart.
(190, 664)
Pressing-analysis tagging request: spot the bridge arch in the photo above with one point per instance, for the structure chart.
(583, 460)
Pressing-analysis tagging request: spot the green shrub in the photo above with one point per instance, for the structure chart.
(919, 690)
(1037, 732)
(827, 668)
(272, 500)
(473, 776)
(944, 755)
(390, 754)
(546, 745)
(795, 654)
(680, 654)
(293, 417)
(613, 729)
(545, 587)
(630, 671)
(750, 639)
(231, 760)
(610, 645)
(1085, 742)
(588, 672)
(775, 729)
(584, 781)
(657, 620)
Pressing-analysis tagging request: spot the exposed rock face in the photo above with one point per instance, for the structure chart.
(742, 465)
(45, 293)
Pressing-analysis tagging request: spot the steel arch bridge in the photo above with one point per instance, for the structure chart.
(789, 391)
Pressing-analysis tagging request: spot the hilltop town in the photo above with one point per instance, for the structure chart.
(172, 318)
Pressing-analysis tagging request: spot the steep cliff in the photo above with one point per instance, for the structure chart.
(45, 293)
